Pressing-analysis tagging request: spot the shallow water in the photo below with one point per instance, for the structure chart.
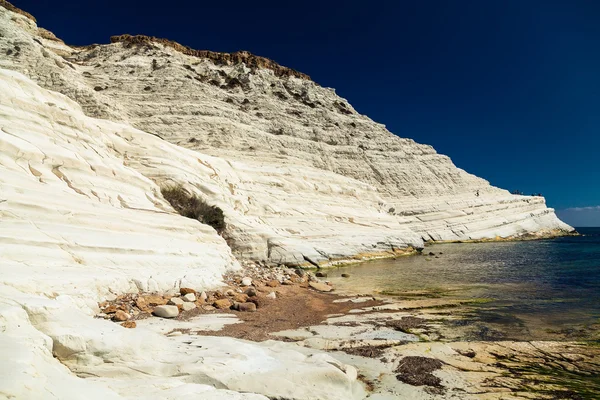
(533, 290)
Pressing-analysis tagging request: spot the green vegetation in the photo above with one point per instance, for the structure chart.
(191, 206)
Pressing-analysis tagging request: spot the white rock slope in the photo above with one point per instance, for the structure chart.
(80, 224)
(300, 175)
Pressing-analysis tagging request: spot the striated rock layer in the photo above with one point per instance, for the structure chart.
(88, 136)
(302, 177)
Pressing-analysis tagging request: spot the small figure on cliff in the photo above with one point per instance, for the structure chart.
(477, 193)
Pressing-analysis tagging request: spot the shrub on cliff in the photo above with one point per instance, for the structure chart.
(191, 206)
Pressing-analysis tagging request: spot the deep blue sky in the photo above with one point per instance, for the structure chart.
(509, 89)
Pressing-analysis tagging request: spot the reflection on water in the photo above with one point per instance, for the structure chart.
(549, 285)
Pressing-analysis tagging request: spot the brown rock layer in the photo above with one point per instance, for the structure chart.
(252, 61)
(12, 8)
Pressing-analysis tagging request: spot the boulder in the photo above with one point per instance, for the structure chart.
(187, 306)
(222, 304)
(166, 311)
(321, 287)
(176, 301)
(121, 315)
(185, 291)
(246, 281)
(190, 297)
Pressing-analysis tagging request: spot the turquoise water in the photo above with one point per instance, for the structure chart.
(535, 289)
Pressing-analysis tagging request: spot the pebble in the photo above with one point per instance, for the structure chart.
(166, 311)
(321, 287)
(321, 275)
(176, 301)
(208, 308)
(345, 275)
(246, 281)
(240, 297)
(247, 307)
(185, 290)
(121, 315)
(273, 283)
(222, 304)
(271, 295)
(187, 306)
(190, 297)
(300, 272)
(251, 292)
(203, 296)
(129, 324)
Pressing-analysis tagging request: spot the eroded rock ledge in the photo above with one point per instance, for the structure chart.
(252, 61)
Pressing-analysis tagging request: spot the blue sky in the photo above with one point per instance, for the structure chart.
(510, 89)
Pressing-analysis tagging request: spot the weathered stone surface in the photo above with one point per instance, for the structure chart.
(176, 301)
(121, 316)
(166, 311)
(190, 297)
(187, 306)
(222, 304)
(321, 287)
(240, 297)
(349, 188)
(300, 176)
(246, 281)
(185, 291)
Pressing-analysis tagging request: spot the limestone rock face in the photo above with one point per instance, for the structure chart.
(301, 177)
(88, 136)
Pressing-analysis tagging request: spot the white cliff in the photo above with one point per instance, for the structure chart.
(299, 173)
(87, 138)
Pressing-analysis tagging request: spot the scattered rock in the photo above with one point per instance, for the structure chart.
(431, 253)
(187, 306)
(467, 353)
(271, 295)
(247, 307)
(185, 291)
(321, 287)
(300, 272)
(190, 297)
(345, 275)
(155, 300)
(142, 304)
(121, 315)
(230, 292)
(222, 304)
(206, 307)
(203, 296)
(251, 292)
(166, 311)
(321, 275)
(110, 309)
(176, 301)
(129, 324)
(273, 283)
(240, 297)
(246, 281)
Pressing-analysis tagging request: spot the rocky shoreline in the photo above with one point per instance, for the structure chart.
(406, 347)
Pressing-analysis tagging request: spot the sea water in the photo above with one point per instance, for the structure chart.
(531, 290)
